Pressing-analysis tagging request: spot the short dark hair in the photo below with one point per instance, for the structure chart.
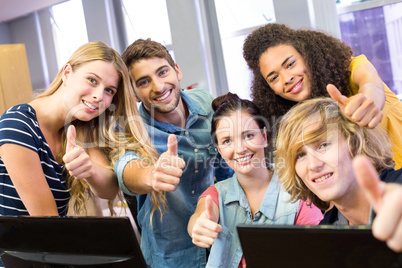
(145, 49)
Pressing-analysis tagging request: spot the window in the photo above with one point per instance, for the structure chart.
(69, 30)
(237, 19)
(376, 31)
(140, 23)
(348, 2)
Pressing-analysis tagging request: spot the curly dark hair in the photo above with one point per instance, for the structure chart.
(327, 60)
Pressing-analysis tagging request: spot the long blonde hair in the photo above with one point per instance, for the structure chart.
(133, 136)
(372, 143)
(100, 132)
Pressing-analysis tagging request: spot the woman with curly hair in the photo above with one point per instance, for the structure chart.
(324, 157)
(291, 65)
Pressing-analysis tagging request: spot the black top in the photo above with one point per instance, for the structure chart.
(333, 216)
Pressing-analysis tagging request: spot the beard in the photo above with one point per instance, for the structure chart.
(165, 108)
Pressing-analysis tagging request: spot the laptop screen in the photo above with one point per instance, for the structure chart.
(70, 241)
(314, 246)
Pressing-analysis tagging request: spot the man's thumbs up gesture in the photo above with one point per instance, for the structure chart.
(168, 169)
(76, 160)
(386, 200)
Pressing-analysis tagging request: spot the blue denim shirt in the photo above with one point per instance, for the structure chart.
(234, 210)
(167, 243)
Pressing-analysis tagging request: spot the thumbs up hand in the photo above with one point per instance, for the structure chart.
(206, 228)
(71, 134)
(336, 95)
(172, 145)
(168, 169)
(358, 108)
(76, 160)
(386, 200)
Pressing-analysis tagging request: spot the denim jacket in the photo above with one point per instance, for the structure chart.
(166, 243)
(234, 209)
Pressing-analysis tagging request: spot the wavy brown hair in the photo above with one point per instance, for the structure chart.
(372, 143)
(327, 60)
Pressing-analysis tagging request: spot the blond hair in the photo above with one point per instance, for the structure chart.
(100, 132)
(372, 143)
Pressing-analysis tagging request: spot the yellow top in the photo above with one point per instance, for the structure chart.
(392, 112)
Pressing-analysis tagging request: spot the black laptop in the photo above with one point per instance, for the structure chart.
(314, 246)
(69, 242)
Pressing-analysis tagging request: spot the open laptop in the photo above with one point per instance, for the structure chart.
(69, 242)
(314, 246)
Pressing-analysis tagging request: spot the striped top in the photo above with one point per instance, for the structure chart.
(20, 126)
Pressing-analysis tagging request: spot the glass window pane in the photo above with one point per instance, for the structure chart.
(237, 19)
(235, 15)
(237, 72)
(140, 23)
(69, 29)
(393, 25)
(350, 2)
(377, 33)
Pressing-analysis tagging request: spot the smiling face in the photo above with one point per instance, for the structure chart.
(325, 166)
(286, 73)
(89, 89)
(241, 142)
(157, 85)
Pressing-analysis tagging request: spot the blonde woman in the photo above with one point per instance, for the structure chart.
(71, 126)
